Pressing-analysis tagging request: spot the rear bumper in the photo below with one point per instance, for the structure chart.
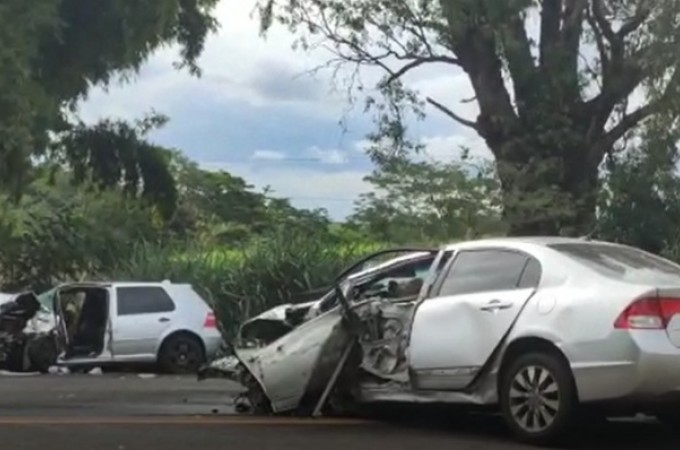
(212, 345)
(640, 366)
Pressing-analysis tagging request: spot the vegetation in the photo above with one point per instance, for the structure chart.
(566, 107)
(102, 201)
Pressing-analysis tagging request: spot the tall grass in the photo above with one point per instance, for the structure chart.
(280, 268)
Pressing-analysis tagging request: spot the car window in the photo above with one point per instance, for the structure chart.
(531, 275)
(483, 270)
(622, 263)
(46, 299)
(406, 278)
(143, 300)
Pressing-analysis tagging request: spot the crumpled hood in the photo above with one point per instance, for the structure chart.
(25, 307)
(274, 322)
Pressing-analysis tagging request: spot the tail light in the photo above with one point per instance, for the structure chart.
(210, 321)
(649, 313)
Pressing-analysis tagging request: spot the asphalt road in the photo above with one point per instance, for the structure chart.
(125, 412)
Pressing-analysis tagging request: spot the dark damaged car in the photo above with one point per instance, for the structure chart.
(534, 328)
(27, 336)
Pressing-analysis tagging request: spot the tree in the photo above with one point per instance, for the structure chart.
(115, 153)
(549, 110)
(54, 51)
(222, 208)
(214, 205)
(58, 232)
(640, 201)
(428, 201)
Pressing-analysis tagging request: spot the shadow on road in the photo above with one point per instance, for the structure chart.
(612, 434)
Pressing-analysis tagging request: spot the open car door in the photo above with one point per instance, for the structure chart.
(59, 316)
(294, 370)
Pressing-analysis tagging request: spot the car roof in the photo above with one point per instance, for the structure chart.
(523, 241)
(106, 284)
(391, 262)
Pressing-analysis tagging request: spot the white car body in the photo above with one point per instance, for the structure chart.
(140, 318)
(598, 323)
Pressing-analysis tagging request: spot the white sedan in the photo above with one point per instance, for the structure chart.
(537, 328)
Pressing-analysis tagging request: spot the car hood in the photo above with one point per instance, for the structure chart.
(21, 307)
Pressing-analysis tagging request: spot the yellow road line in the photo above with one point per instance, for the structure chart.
(186, 420)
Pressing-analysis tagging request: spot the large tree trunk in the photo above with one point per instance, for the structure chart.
(549, 182)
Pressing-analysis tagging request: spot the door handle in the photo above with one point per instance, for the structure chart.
(495, 305)
(164, 319)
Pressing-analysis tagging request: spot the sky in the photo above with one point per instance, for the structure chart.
(258, 113)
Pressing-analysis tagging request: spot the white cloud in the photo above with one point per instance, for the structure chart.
(328, 156)
(268, 155)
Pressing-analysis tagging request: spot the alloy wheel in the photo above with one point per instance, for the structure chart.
(534, 398)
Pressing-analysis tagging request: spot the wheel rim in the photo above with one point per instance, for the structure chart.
(183, 356)
(534, 399)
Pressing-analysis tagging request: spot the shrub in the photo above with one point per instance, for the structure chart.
(282, 267)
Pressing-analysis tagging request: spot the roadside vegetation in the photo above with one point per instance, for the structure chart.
(102, 201)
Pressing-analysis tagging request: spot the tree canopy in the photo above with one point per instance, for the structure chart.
(54, 51)
(430, 201)
(553, 99)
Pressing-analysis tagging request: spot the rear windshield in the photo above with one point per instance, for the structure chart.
(622, 263)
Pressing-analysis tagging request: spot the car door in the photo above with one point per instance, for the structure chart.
(142, 316)
(471, 308)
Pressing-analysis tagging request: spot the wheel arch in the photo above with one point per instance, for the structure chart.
(529, 344)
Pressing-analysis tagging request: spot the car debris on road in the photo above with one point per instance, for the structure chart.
(536, 328)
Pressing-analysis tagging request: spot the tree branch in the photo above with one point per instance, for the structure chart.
(572, 29)
(417, 62)
(451, 114)
(474, 43)
(633, 119)
(600, 17)
(551, 15)
(520, 61)
(642, 13)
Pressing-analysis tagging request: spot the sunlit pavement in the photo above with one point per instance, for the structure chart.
(130, 412)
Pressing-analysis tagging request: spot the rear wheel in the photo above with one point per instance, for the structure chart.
(181, 354)
(538, 398)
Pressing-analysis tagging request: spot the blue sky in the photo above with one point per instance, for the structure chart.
(256, 113)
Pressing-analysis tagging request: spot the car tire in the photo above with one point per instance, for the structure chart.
(43, 354)
(181, 354)
(538, 398)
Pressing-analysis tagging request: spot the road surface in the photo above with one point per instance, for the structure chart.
(126, 412)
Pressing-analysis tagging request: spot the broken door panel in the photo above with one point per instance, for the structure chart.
(453, 337)
(299, 363)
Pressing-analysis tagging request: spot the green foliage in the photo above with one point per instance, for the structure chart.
(640, 201)
(550, 128)
(221, 208)
(115, 153)
(422, 201)
(280, 267)
(61, 232)
(54, 51)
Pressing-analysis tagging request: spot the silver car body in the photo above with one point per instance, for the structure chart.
(450, 348)
(136, 337)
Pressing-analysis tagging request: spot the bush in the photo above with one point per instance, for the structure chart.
(278, 268)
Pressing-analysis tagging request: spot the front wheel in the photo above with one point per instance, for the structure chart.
(538, 398)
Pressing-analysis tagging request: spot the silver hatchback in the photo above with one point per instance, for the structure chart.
(121, 323)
